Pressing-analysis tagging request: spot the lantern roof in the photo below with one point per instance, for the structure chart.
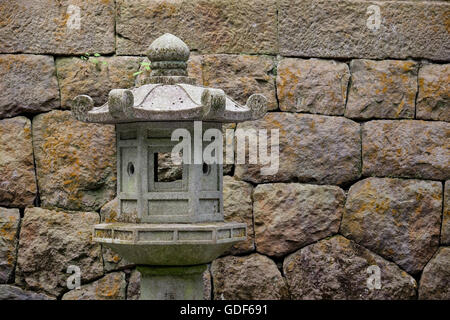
(169, 95)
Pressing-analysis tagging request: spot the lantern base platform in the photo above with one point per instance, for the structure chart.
(172, 283)
(170, 244)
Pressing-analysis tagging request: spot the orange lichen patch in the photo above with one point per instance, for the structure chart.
(108, 287)
(74, 156)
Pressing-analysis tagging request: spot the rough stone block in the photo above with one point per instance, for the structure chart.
(134, 285)
(433, 101)
(9, 229)
(382, 89)
(362, 29)
(75, 161)
(312, 148)
(111, 287)
(445, 231)
(313, 86)
(57, 27)
(111, 260)
(398, 219)
(435, 280)
(8, 292)
(77, 76)
(214, 26)
(290, 216)
(17, 176)
(241, 76)
(28, 84)
(50, 242)
(406, 148)
(252, 277)
(338, 269)
(238, 207)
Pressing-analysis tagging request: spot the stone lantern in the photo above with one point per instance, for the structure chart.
(172, 225)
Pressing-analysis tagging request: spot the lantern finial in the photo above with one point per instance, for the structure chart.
(168, 55)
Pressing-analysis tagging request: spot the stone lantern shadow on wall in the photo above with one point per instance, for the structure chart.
(164, 223)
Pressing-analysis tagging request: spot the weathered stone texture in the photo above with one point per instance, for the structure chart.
(9, 228)
(219, 26)
(338, 28)
(77, 76)
(57, 27)
(28, 83)
(290, 216)
(313, 86)
(51, 241)
(17, 176)
(382, 89)
(435, 280)
(313, 148)
(75, 161)
(110, 211)
(406, 148)
(445, 231)
(8, 292)
(108, 214)
(398, 219)
(238, 207)
(253, 277)
(207, 290)
(134, 285)
(194, 70)
(241, 76)
(433, 100)
(336, 269)
(111, 287)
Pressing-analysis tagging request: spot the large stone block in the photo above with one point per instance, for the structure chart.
(8, 292)
(253, 277)
(433, 100)
(313, 86)
(398, 219)
(17, 176)
(9, 229)
(382, 89)
(406, 148)
(312, 148)
(290, 216)
(77, 76)
(362, 29)
(241, 76)
(57, 26)
(75, 161)
(214, 26)
(338, 269)
(28, 83)
(445, 231)
(238, 207)
(435, 280)
(50, 242)
(111, 287)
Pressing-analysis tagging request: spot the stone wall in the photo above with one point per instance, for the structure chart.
(360, 94)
